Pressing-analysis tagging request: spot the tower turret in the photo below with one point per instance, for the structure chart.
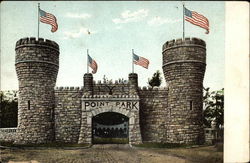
(37, 63)
(133, 83)
(184, 63)
(88, 84)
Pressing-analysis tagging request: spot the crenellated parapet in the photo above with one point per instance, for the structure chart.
(113, 97)
(68, 88)
(32, 41)
(186, 42)
(153, 89)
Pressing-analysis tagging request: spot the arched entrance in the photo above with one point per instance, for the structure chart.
(92, 106)
(109, 128)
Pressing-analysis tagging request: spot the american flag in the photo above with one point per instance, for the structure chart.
(92, 63)
(48, 19)
(196, 19)
(140, 61)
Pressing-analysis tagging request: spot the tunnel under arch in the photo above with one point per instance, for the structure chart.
(109, 128)
(125, 107)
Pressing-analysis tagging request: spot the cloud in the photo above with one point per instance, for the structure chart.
(128, 16)
(157, 21)
(76, 34)
(118, 27)
(78, 16)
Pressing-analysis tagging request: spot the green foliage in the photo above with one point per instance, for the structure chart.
(8, 109)
(214, 107)
(156, 79)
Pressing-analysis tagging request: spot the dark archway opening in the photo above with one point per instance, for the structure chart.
(110, 128)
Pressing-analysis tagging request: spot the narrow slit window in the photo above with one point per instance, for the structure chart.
(28, 104)
(191, 105)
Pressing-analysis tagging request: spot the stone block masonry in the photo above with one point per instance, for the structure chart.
(171, 114)
(67, 114)
(184, 63)
(153, 114)
(37, 63)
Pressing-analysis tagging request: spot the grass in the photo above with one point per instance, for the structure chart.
(47, 145)
(205, 154)
(161, 145)
(193, 153)
(110, 140)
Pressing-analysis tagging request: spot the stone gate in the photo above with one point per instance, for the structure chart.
(163, 115)
(123, 104)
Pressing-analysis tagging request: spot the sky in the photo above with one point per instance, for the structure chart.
(116, 28)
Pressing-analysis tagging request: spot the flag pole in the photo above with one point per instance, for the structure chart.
(183, 23)
(87, 60)
(132, 60)
(38, 21)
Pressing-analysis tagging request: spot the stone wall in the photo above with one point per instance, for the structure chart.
(37, 63)
(7, 134)
(123, 104)
(172, 114)
(116, 88)
(68, 114)
(153, 114)
(184, 63)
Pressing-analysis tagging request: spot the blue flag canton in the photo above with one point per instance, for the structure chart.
(42, 13)
(90, 59)
(188, 12)
(136, 57)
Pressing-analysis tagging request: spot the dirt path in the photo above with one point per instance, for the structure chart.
(95, 154)
(126, 154)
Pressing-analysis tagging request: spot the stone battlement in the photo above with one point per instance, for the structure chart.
(33, 41)
(110, 96)
(186, 42)
(68, 88)
(153, 89)
(99, 82)
(170, 114)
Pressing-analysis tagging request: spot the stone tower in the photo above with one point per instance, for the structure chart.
(37, 63)
(184, 64)
(133, 83)
(88, 84)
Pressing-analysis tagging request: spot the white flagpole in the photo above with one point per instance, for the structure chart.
(87, 60)
(183, 21)
(38, 20)
(132, 60)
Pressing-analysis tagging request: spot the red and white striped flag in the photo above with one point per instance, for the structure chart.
(196, 19)
(140, 61)
(92, 63)
(48, 18)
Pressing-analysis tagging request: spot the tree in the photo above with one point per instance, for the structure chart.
(8, 109)
(214, 107)
(156, 79)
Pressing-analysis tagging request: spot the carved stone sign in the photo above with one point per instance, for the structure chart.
(89, 105)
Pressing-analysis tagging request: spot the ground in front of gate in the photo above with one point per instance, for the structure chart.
(113, 154)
